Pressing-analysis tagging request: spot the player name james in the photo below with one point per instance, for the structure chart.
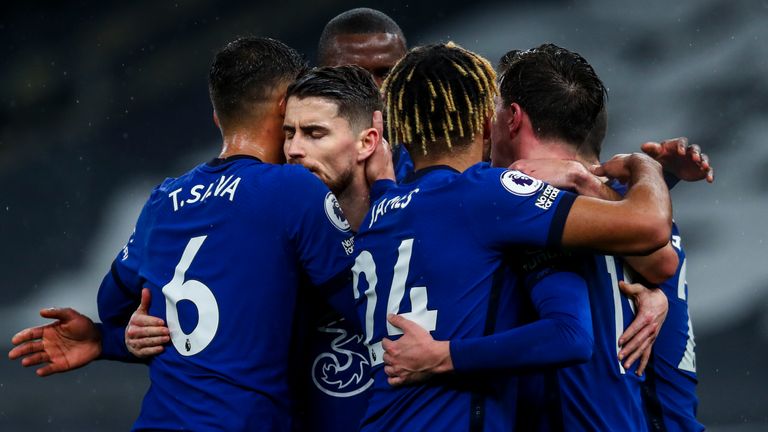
(225, 187)
(398, 202)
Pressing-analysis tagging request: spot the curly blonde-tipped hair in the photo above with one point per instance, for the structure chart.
(438, 97)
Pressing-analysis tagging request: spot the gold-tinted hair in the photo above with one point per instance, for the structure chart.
(438, 94)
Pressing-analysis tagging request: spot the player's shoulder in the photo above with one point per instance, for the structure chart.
(296, 174)
(298, 181)
(266, 178)
(490, 179)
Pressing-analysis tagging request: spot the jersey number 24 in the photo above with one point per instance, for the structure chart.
(365, 265)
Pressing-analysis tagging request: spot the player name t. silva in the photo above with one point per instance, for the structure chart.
(225, 187)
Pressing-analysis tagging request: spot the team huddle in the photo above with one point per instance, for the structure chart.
(484, 272)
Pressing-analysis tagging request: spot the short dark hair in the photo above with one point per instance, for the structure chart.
(356, 21)
(557, 88)
(438, 97)
(246, 70)
(593, 143)
(350, 87)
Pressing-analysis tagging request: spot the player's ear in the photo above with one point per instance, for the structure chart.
(216, 120)
(369, 138)
(514, 118)
(281, 106)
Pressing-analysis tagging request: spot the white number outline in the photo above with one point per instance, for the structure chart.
(198, 293)
(420, 313)
(618, 310)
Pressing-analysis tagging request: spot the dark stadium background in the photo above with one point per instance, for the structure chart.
(99, 102)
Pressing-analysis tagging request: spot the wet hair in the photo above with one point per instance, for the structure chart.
(350, 87)
(246, 71)
(438, 97)
(560, 92)
(593, 143)
(355, 21)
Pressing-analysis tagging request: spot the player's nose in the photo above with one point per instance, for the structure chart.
(294, 150)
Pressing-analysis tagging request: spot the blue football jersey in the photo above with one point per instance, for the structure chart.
(402, 162)
(223, 249)
(600, 394)
(337, 374)
(670, 388)
(432, 250)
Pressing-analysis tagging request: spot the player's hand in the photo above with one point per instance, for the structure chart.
(145, 334)
(379, 165)
(70, 342)
(414, 357)
(684, 161)
(620, 167)
(560, 173)
(637, 340)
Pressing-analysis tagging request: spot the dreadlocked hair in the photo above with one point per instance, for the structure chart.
(438, 97)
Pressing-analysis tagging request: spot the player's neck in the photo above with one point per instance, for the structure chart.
(264, 142)
(459, 160)
(355, 201)
(556, 149)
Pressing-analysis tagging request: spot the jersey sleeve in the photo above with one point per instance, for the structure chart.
(562, 336)
(322, 237)
(120, 291)
(510, 208)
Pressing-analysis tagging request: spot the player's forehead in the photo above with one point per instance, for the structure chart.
(311, 109)
(367, 50)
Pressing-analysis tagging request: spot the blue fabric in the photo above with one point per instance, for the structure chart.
(433, 249)
(562, 335)
(598, 395)
(402, 162)
(223, 249)
(672, 377)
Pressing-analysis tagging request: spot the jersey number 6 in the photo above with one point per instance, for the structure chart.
(198, 293)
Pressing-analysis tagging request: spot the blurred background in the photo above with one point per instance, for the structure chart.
(99, 102)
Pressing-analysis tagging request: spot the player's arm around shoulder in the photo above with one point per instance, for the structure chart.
(573, 175)
(638, 224)
(505, 207)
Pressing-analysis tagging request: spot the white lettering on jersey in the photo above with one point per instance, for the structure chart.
(125, 248)
(676, 241)
(196, 195)
(688, 362)
(231, 189)
(348, 245)
(547, 197)
(225, 187)
(173, 196)
(398, 202)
